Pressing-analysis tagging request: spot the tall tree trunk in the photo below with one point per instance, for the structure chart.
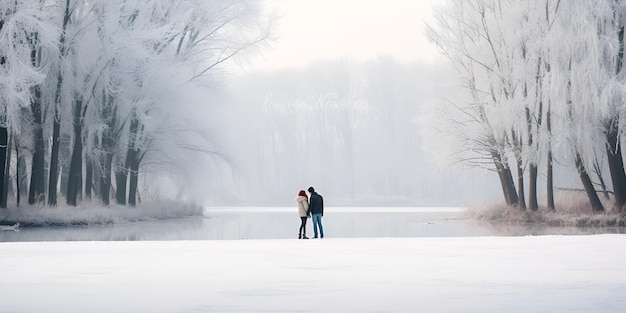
(109, 138)
(506, 179)
(597, 168)
(20, 176)
(520, 184)
(134, 178)
(7, 178)
(54, 161)
(517, 145)
(550, 169)
(4, 153)
(88, 177)
(594, 200)
(93, 174)
(131, 164)
(121, 179)
(614, 147)
(533, 203)
(134, 160)
(36, 189)
(18, 180)
(616, 163)
(64, 172)
(105, 179)
(75, 177)
(532, 166)
(56, 128)
(121, 176)
(4, 150)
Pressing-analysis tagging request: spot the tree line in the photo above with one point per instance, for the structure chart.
(90, 91)
(543, 84)
(350, 128)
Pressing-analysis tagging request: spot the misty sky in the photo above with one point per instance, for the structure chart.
(320, 48)
(360, 30)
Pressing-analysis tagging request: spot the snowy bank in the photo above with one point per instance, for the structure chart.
(468, 274)
(96, 214)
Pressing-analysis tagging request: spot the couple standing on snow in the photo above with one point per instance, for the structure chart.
(310, 206)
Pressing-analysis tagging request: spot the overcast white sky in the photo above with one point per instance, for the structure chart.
(359, 30)
(356, 31)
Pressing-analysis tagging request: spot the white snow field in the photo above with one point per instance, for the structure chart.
(443, 274)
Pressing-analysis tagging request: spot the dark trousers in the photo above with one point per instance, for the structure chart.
(303, 226)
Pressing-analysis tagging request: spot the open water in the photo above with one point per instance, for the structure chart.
(234, 223)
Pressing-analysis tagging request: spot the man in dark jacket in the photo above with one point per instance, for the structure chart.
(316, 207)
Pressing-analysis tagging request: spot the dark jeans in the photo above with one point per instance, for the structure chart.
(303, 226)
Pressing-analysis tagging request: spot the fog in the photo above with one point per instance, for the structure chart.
(272, 97)
(354, 131)
(354, 111)
(339, 99)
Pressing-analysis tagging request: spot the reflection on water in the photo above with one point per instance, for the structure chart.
(342, 222)
(283, 223)
(178, 229)
(543, 230)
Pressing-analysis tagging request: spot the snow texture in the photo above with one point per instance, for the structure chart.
(467, 274)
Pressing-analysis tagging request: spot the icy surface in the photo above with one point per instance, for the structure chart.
(453, 274)
(256, 223)
(283, 223)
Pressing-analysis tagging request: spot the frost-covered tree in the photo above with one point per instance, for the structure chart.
(57, 105)
(197, 38)
(469, 34)
(543, 77)
(27, 48)
(107, 76)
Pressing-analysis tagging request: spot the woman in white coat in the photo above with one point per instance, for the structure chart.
(303, 211)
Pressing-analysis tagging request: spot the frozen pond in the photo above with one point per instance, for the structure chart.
(349, 275)
(447, 265)
(230, 223)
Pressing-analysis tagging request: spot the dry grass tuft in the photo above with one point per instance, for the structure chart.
(572, 210)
